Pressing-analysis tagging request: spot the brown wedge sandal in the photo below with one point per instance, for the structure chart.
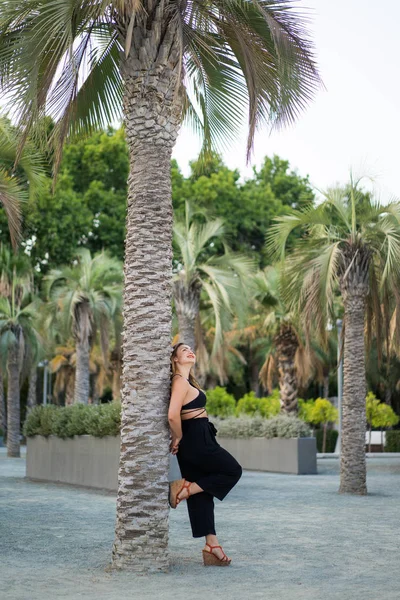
(210, 559)
(175, 488)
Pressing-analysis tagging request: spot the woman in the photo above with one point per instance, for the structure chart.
(208, 469)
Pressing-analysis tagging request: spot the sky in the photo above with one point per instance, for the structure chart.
(354, 123)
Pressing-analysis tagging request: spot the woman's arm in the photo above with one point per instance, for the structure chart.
(178, 392)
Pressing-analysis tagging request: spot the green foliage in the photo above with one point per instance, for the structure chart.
(77, 419)
(220, 403)
(270, 406)
(331, 439)
(322, 412)
(283, 426)
(392, 443)
(248, 405)
(379, 414)
(40, 421)
(305, 408)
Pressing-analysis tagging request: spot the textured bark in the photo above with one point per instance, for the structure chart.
(152, 111)
(82, 374)
(286, 346)
(32, 397)
(3, 411)
(13, 402)
(354, 287)
(187, 306)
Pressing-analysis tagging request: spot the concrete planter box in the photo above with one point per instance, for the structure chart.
(93, 462)
(82, 460)
(279, 455)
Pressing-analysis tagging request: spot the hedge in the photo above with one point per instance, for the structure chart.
(104, 419)
(282, 426)
(331, 438)
(392, 443)
(78, 419)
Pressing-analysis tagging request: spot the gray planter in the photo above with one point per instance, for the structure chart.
(93, 462)
(83, 460)
(279, 455)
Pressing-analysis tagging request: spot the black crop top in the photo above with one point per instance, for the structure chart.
(196, 403)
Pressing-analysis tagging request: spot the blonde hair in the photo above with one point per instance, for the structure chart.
(174, 370)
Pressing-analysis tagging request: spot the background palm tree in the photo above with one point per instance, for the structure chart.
(350, 244)
(19, 184)
(84, 298)
(287, 357)
(17, 331)
(220, 282)
(165, 62)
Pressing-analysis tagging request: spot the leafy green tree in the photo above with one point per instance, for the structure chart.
(351, 245)
(323, 412)
(80, 63)
(83, 299)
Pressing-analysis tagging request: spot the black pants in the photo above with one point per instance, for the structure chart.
(202, 460)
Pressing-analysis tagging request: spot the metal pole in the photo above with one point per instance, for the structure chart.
(340, 381)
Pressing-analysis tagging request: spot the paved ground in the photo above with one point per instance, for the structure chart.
(290, 538)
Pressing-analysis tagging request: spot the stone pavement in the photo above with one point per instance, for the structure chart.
(290, 538)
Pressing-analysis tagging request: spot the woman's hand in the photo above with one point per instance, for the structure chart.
(174, 445)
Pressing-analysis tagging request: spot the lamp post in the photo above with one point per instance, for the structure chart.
(339, 324)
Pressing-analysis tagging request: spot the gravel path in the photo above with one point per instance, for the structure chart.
(290, 538)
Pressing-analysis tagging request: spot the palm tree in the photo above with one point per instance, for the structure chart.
(165, 62)
(84, 298)
(221, 282)
(350, 244)
(16, 332)
(17, 185)
(287, 356)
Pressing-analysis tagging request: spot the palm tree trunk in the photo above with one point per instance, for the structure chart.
(3, 412)
(82, 373)
(326, 386)
(32, 397)
(324, 438)
(153, 112)
(352, 458)
(187, 306)
(13, 402)
(287, 344)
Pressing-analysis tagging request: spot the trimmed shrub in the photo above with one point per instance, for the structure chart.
(77, 419)
(267, 407)
(282, 426)
(331, 439)
(220, 403)
(248, 405)
(392, 443)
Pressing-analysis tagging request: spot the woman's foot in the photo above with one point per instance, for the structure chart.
(214, 556)
(178, 491)
(212, 545)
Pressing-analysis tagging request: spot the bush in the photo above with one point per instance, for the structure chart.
(266, 407)
(248, 405)
(282, 426)
(392, 443)
(220, 403)
(77, 419)
(331, 439)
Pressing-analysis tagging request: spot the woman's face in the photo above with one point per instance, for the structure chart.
(185, 355)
